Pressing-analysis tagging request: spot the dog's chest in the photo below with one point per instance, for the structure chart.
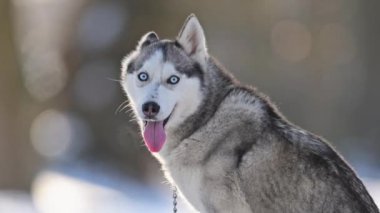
(188, 179)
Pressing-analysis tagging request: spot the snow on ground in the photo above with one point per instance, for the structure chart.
(98, 191)
(16, 202)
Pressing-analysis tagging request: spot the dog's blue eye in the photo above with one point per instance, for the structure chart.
(173, 79)
(143, 76)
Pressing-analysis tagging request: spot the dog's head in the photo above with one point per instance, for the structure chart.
(163, 80)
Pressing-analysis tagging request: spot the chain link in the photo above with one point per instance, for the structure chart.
(174, 199)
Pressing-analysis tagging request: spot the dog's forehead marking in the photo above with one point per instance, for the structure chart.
(154, 62)
(170, 52)
(169, 68)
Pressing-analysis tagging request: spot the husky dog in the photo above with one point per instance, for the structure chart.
(225, 146)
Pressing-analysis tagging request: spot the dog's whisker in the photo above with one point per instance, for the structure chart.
(126, 108)
(129, 111)
(133, 119)
(116, 80)
(121, 107)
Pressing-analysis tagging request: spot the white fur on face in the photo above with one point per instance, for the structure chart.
(181, 99)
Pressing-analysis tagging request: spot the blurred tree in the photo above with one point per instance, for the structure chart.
(13, 150)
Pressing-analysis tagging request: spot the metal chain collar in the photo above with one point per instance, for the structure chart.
(174, 199)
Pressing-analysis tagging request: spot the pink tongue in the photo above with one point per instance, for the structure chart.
(154, 135)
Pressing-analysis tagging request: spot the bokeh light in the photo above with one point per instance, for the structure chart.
(57, 134)
(40, 38)
(42, 81)
(101, 25)
(291, 40)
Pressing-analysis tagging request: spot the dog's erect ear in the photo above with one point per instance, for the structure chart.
(192, 39)
(147, 39)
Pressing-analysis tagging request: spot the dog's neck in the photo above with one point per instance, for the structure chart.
(217, 85)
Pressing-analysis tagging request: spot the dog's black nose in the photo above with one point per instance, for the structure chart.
(150, 109)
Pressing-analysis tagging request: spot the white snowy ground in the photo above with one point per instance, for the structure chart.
(57, 191)
(85, 190)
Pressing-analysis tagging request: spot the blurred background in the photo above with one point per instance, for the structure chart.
(67, 146)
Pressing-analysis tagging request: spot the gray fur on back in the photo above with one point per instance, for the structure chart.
(251, 159)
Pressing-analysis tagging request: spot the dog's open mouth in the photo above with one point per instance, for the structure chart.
(164, 122)
(154, 134)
